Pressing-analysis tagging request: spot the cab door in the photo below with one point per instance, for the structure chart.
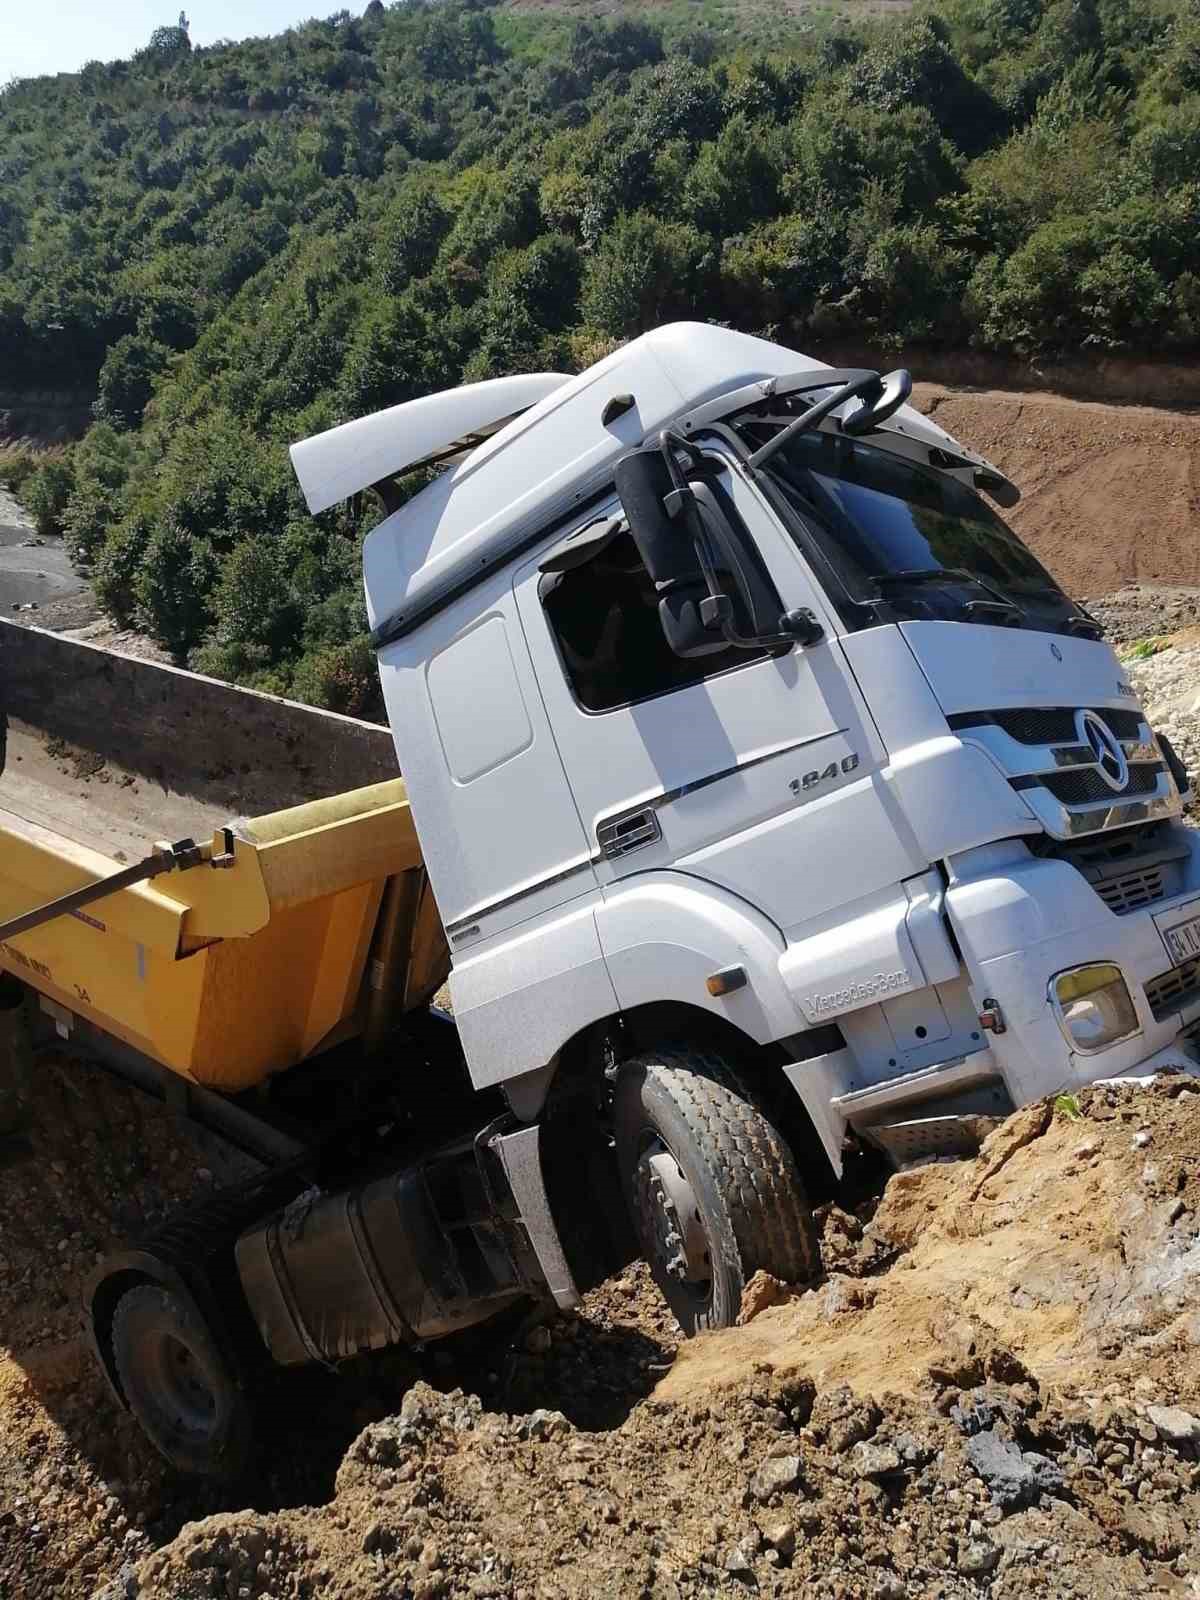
(734, 768)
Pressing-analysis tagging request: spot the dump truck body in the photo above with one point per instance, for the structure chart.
(252, 961)
(269, 979)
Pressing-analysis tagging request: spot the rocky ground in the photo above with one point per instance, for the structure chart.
(1145, 611)
(1169, 684)
(1157, 635)
(995, 1391)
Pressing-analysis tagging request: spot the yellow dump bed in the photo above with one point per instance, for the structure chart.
(245, 965)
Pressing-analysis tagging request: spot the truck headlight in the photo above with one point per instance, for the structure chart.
(1094, 1007)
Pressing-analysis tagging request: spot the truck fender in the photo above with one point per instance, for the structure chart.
(664, 935)
(518, 1001)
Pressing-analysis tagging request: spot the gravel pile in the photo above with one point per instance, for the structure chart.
(1145, 611)
(775, 1489)
(1169, 684)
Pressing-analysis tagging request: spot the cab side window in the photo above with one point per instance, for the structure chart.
(604, 619)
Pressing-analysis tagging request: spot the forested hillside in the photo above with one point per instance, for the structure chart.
(237, 246)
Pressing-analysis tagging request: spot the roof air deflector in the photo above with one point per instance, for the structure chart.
(437, 429)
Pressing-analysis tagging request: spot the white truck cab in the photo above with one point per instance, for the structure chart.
(776, 800)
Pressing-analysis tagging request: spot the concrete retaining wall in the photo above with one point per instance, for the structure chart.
(236, 749)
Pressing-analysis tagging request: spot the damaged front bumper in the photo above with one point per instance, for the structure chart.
(1022, 921)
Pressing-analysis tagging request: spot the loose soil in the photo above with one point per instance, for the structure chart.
(1109, 494)
(995, 1391)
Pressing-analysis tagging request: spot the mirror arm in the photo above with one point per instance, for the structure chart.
(668, 442)
(861, 383)
(718, 608)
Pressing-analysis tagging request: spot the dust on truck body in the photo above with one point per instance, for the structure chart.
(778, 808)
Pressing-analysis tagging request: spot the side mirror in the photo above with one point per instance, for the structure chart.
(687, 547)
(877, 404)
(666, 545)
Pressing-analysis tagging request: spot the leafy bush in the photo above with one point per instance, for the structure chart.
(342, 678)
(45, 493)
(127, 377)
(175, 575)
(16, 466)
(117, 568)
(254, 602)
(644, 271)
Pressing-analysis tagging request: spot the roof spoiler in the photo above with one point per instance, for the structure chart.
(435, 430)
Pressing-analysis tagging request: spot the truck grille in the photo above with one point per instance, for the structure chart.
(1130, 868)
(1086, 785)
(1133, 891)
(1056, 724)
(1060, 770)
(1168, 991)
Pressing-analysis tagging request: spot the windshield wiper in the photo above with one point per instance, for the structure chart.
(1083, 624)
(998, 604)
(918, 575)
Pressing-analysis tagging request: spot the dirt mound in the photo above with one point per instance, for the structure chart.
(80, 1491)
(1110, 494)
(995, 1392)
(1072, 1239)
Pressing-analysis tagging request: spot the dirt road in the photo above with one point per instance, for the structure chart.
(32, 569)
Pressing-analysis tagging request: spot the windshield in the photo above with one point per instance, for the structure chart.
(909, 541)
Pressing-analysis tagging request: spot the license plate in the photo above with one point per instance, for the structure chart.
(1183, 940)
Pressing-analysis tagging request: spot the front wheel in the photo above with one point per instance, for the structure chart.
(178, 1384)
(713, 1189)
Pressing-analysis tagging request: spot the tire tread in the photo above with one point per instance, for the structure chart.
(772, 1223)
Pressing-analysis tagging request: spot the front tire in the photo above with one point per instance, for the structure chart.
(178, 1384)
(713, 1189)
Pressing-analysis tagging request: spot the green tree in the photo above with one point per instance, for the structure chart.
(166, 43)
(734, 180)
(46, 493)
(644, 271)
(173, 587)
(410, 235)
(127, 379)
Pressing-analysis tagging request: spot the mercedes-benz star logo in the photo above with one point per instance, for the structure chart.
(1105, 746)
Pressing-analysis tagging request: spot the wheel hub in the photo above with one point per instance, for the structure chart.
(185, 1383)
(670, 1217)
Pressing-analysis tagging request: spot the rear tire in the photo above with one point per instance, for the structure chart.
(713, 1189)
(179, 1386)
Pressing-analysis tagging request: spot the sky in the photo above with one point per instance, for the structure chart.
(38, 36)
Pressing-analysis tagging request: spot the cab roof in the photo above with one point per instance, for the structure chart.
(532, 468)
